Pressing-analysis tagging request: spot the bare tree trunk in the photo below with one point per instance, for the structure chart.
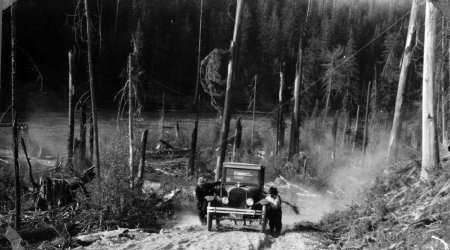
(253, 113)
(196, 97)
(344, 129)
(295, 125)
(16, 173)
(443, 90)
(406, 62)
(92, 90)
(100, 15)
(130, 121)
(356, 129)
(237, 138)
(91, 141)
(334, 129)
(430, 157)
(178, 133)
(71, 115)
(30, 168)
(230, 82)
(143, 150)
(366, 119)
(280, 120)
(115, 24)
(14, 118)
(83, 138)
(327, 102)
(198, 56)
(194, 141)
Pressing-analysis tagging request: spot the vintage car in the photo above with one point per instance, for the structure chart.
(241, 196)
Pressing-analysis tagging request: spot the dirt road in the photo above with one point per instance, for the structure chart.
(188, 234)
(196, 237)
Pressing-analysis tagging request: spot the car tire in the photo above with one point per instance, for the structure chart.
(209, 219)
(264, 219)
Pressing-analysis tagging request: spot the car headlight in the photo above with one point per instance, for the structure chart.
(249, 202)
(225, 200)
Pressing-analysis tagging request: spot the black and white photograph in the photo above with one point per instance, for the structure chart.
(225, 124)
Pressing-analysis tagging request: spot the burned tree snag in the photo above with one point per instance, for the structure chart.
(366, 119)
(196, 97)
(295, 125)
(83, 138)
(92, 90)
(253, 113)
(406, 62)
(130, 120)
(443, 89)
(356, 128)
(71, 115)
(199, 50)
(91, 142)
(16, 173)
(178, 133)
(280, 119)
(194, 141)
(230, 79)
(143, 150)
(30, 169)
(430, 157)
(334, 129)
(237, 137)
(14, 118)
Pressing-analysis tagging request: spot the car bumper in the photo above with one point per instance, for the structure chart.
(229, 210)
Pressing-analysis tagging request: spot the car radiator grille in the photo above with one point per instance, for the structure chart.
(237, 197)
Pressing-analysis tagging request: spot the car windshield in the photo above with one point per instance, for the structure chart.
(242, 176)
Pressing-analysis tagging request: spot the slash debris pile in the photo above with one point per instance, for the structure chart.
(399, 212)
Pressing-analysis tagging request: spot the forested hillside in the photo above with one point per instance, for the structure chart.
(348, 44)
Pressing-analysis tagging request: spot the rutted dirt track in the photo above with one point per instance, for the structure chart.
(188, 234)
(196, 237)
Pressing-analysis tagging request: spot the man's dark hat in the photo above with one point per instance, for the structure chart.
(273, 190)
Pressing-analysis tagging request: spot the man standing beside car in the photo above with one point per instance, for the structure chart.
(274, 213)
(202, 190)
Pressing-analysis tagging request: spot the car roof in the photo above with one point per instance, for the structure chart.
(242, 165)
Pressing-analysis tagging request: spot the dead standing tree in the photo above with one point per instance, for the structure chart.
(295, 125)
(280, 119)
(366, 119)
(130, 119)
(237, 138)
(430, 151)
(196, 98)
(71, 115)
(230, 80)
(83, 138)
(406, 62)
(92, 90)
(14, 118)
